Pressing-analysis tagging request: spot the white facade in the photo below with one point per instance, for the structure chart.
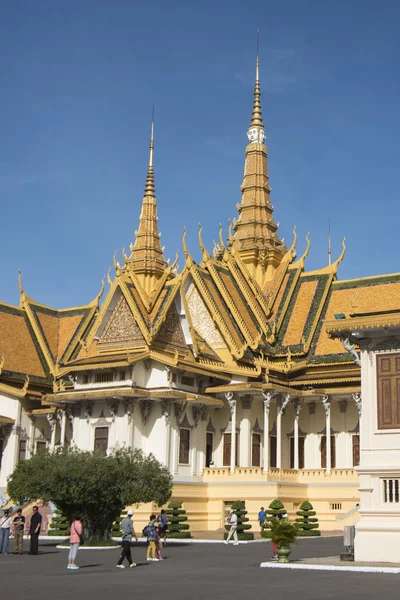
(378, 530)
(106, 411)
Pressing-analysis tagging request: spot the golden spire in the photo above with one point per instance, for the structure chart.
(256, 117)
(149, 189)
(256, 239)
(146, 257)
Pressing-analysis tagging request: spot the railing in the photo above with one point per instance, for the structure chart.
(273, 474)
(391, 490)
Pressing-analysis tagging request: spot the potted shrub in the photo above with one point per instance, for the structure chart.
(283, 533)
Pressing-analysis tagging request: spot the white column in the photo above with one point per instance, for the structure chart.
(232, 406)
(327, 406)
(245, 432)
(63, 427)
(267, 399)
(53, 424)
(297, 408)
(32, 436)
(282, 404)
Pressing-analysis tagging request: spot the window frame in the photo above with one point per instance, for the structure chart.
(182, 451)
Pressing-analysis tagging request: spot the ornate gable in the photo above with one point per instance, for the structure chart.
(122, 328)
(171, 330)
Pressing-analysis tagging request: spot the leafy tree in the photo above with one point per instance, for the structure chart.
(274, 509)
(239, 507)
(91, 486)
(177, 528)
(307, 524)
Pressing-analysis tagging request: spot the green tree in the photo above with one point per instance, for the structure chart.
(239, 507)
(91, 486)
(274, 509)
(177, 528)
(307, 523)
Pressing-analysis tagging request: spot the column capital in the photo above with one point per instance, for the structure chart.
(231, 401)
(113, 404)
(129, 407)
(52, 420)
(358, 400)
(297, 403)
(326, 402)
(283, 401)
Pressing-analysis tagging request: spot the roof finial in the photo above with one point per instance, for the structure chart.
(149, 189)
(329, 243)
(256, 130)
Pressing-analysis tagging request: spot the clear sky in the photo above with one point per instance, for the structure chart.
(78, 79)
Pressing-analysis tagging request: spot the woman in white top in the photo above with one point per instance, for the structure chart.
(5, 524)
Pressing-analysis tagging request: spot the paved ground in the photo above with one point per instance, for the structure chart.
(213, 571)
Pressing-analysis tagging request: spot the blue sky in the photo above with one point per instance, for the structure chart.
(78, 82)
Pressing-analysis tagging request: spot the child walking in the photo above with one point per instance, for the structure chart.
(151, 539)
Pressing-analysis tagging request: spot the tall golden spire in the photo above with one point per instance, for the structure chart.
(147, 258)
(256, 239)
(256, 117)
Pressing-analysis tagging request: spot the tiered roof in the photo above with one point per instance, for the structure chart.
(247, 317)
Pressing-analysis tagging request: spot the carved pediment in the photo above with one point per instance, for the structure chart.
(121, 327)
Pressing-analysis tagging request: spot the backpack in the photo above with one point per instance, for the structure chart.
(163, 521)
(145, 531)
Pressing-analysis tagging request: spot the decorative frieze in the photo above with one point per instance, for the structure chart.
(247, 401)
(145, 407)
(129, 407)
(180, 411)
(113, 404)
(312, 407)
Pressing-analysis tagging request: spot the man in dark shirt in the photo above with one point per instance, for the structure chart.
(19, 526)
(34, 530)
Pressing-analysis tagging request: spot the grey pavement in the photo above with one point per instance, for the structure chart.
(192, 572)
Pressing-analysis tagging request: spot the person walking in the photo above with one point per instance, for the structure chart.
(128, 531)
(5, 524)
(18, 527)
(75, 534)
(162, 521)
(151, 539)
(233, 520)
(261, 517)
(34, 530)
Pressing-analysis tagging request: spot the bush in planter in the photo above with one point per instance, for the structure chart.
(284, 534)
(239, 507)
(275, 508)
(307, 524)
(59, 525)
(177, 528)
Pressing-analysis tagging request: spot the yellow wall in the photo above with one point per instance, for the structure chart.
(331, 495)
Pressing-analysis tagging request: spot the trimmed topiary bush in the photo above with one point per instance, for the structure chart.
(239, 507)
(177, 528)
(275, 508)
(307, 524)
(59, 525)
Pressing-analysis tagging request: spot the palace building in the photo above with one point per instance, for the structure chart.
(224, 370)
